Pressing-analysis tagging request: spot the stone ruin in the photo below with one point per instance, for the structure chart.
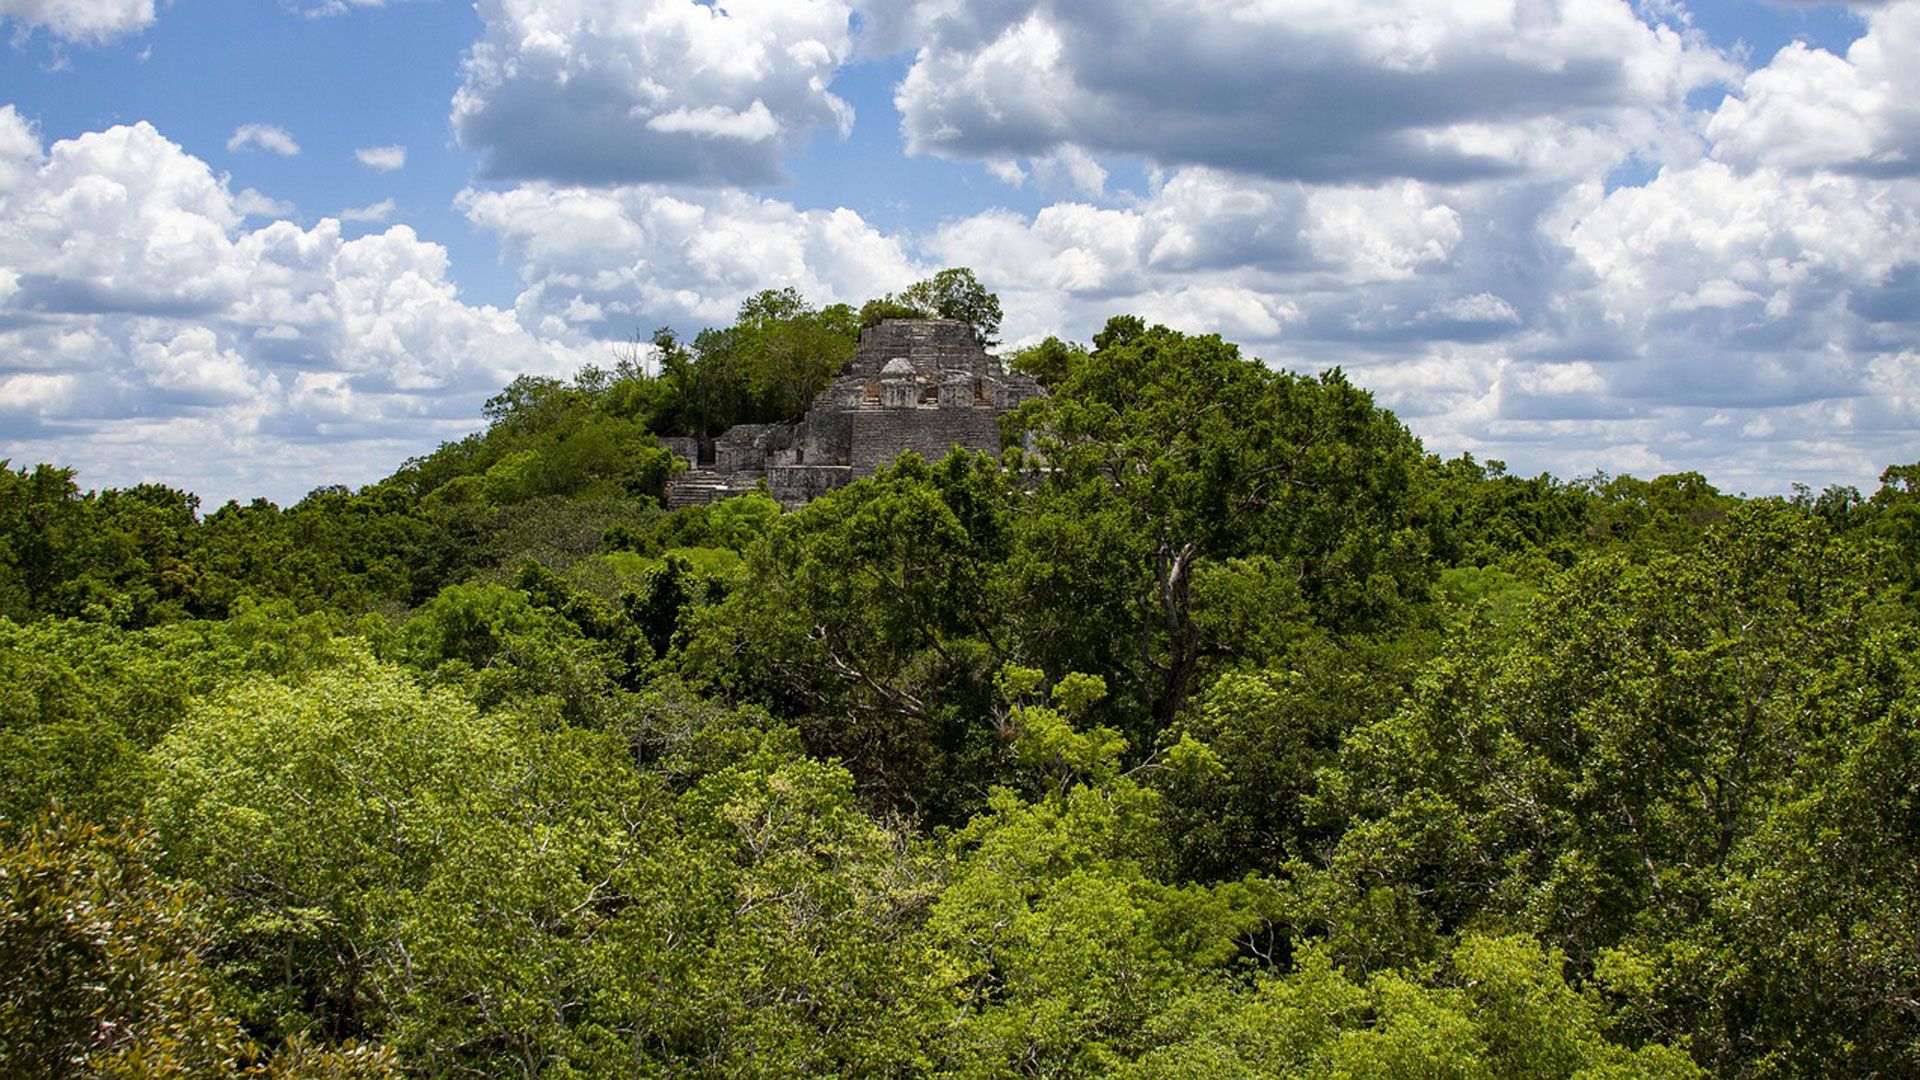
(924, 385)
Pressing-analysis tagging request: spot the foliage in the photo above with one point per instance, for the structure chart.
(117, 556)
(953, 293)
(80, 703)
(1500, 1008)
(1059, 938)
(1050, 362)
(1183, 455)
(765, 368)
(486, 894)
(868, 617)
(1218, 731)
(100, 972)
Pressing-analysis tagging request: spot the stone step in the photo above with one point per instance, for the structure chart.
(696, 488)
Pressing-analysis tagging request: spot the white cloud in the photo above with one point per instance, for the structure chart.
(1428, 195)
(608, 261)
(20, 151)
(266, 137)
(1753, 312)
(382, 158)
(191, 364)
(1308, 89)
(319, 9)
(32, 392)
(1205, 252)
(752, 124)
(1811, 109)
(1535, 316)
(1745, 256)
(251, 203)
(1007, 171)
(380, 211)
(88, 21)
(612, 91)
(150, 333)
(1209, 251)
(1482, 307)
(1381, 234)
(1071, 168)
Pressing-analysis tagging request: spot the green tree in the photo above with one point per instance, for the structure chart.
(1665, 513)
(953, 293)
(1245, 760)
(1174, 454)
(1499, 1008)
(121, 556)
(1895, 518)
(1480, 515)
(1059, 937)
(100, 961)
(390, 863)
(1589, 776)
(1050, 362)
(873, 617)
(791, 351)
(1803, 964)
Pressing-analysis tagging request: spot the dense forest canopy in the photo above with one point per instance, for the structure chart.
(1222, 731)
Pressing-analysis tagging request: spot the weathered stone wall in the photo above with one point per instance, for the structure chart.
(880, 435)
(829, 437)
(929, 344)
(749, 448)
(797, 485)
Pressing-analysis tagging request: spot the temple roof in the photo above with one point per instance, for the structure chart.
(926, 345)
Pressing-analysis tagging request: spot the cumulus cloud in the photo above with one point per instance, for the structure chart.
(752, 124)
(150, 333)
(1752, 312)
(604, 262)
(1749, 310)
(1481, 308)
(610, 92)
(1301, 89)
(1382, 234)
(382, 158)
(1068, 168)
(268, 137)
(85, 21)
(1756, 278)
(380, 211)
(1204, 251)
(318, 9)
(1757, 323)
(253, 204)
(1811, 109)
(1264, 261)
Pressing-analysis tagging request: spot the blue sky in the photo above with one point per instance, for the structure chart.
(249, 248)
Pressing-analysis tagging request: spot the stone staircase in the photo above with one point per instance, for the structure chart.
(697, 487)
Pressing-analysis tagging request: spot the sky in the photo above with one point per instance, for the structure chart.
(250, 247)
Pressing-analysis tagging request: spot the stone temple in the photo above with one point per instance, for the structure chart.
(924, 385)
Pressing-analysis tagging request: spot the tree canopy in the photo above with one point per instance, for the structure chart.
(953, 293)
(1217, 730)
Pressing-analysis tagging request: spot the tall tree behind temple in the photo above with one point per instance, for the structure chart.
(766, 367)
(1187, 456)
